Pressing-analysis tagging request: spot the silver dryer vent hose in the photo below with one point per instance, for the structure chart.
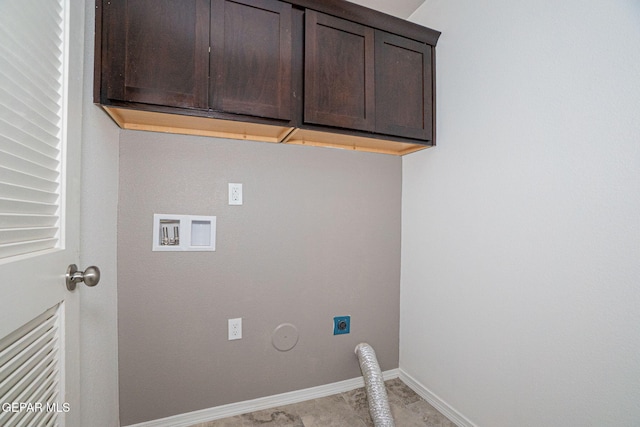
(374, 385)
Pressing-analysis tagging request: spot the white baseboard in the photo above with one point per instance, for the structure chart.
(233, 409)
(447, 410)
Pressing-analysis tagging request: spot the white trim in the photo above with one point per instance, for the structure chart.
(233, 409)
(447, 410)
(66, 125)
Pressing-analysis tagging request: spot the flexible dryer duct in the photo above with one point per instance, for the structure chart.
(374, 385)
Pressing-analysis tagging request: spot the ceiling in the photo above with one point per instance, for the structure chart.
(400, 8)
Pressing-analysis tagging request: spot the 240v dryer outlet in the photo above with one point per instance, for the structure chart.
(341, 325)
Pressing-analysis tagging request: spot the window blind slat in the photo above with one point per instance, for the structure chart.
(18, 82)
(8, 235)
(40, 385)
(19, 344)
(12, 69)
(17, 381)
(50, 420)
(47, 387)
(39, 15)
(28, 127)
(30, 51)
(43, 394)
(16, 91)
(21, 366)
(37, 19)
(35, 418)
(12, 56)
(9, 176)
(18, 164)
(27, 328)
(31, 121)
(17, 192)
(28, 145)
(27, 221)
(27, 142)
(22, 207)
(26, 108)
(30, 368)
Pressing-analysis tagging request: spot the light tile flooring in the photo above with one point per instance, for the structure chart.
(347, 409)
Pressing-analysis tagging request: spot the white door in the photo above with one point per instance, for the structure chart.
(35, 213)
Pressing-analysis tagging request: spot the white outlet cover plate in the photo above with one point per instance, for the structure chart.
(235, 329)
(235, 194)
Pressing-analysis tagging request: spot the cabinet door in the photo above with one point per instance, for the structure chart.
(251, 57)
(158, 52)
(339, 87)
(404, 101)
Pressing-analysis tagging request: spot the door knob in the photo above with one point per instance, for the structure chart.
(90, 276)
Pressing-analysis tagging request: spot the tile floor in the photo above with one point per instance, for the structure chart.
(347, 409)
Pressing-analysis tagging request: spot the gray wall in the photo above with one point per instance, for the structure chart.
(318, 236)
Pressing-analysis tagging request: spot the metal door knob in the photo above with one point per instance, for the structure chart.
(90, 276)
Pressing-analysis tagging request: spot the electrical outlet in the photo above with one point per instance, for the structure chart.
(235, 194)
(235, 329)
(341, 325)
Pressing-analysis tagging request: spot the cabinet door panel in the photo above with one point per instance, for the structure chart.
(339, 87)
(251, 57)
(158, 51)
(403, 87)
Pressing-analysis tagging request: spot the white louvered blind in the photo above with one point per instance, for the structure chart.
(31, 118)
(30, 373)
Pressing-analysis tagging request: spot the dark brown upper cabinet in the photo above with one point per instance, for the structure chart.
(226, 56)
(251, 57)
(404, 87)
(364, 79)
(157, 52)
(309, 72)
(339, 73)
